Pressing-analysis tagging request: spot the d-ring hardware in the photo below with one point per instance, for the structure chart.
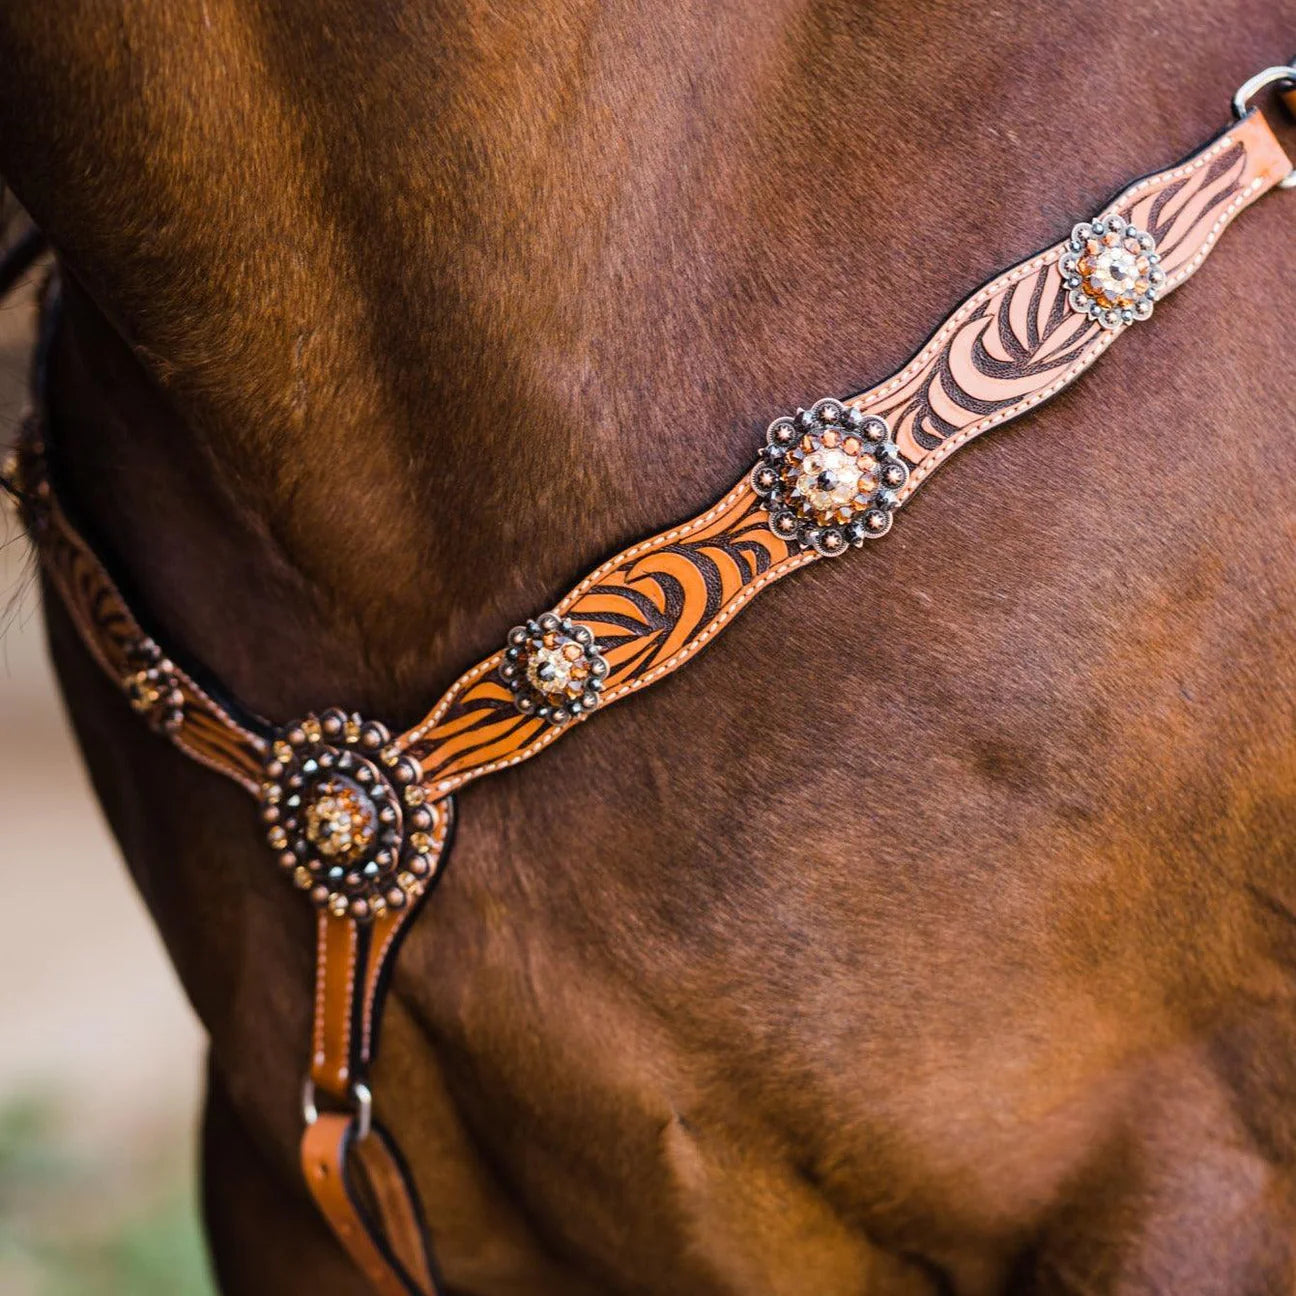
(1252, 86)
(363, 1106)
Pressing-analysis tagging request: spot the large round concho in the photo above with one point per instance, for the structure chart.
(347, 816)
(553, 668)
(1112, 271)
(829, 477)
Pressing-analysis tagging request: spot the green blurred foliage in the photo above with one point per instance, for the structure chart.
(71, 1227)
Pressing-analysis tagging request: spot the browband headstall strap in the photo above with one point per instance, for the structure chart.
(360, 821)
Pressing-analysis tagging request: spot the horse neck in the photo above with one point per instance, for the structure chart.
(397, 322)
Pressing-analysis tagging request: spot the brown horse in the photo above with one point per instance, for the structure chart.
(936, 930)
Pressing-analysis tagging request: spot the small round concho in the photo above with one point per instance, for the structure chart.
(1112, 271)
(553, 668)
(829, 477)
(347, 816)
(153, 687)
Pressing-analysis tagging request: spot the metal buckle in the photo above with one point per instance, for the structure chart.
(1251, 87)
(362, 1097)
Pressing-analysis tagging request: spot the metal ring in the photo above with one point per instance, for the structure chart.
(363, 1106)
(1252, 86)
(1255, 84)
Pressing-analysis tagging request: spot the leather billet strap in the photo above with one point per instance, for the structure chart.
(351, 1167)
(364, 1192)
(1013, 344)
(353, 1171)
(353, 966)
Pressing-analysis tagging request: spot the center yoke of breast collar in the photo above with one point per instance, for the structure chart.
(347, 816)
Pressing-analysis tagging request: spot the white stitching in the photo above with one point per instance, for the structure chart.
(1225, 216)
(921, 470)
(457, 689)
(1010, 277)
(1225, 141)
(926, 466)
(344, 1071)
(321, 942)
(643, 546)
(748, 592)
(938, 339)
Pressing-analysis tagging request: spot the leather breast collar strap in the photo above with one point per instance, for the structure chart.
(360, 819)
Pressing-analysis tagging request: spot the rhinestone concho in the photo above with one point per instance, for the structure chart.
(347, 816)
(553, 668)
(1112, 271)
(829, 477)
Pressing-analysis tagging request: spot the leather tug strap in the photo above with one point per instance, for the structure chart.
(360, 1184)
(826, 479)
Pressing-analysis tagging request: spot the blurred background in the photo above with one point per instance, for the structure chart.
(100, 1055)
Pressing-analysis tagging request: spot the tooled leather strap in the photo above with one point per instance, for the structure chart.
(360, 821)
(168, 698)
(1012, 345)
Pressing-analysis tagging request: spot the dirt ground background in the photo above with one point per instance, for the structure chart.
(100, 1055)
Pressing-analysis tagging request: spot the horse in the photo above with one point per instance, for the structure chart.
(935, 931)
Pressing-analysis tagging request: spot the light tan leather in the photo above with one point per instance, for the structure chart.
(1012, 345)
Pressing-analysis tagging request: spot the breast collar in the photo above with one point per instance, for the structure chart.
(360, 820)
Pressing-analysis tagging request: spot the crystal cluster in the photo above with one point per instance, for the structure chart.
(553, 668)
(347, 816)
(829, 477)
(153, 687)
(1112, 271)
